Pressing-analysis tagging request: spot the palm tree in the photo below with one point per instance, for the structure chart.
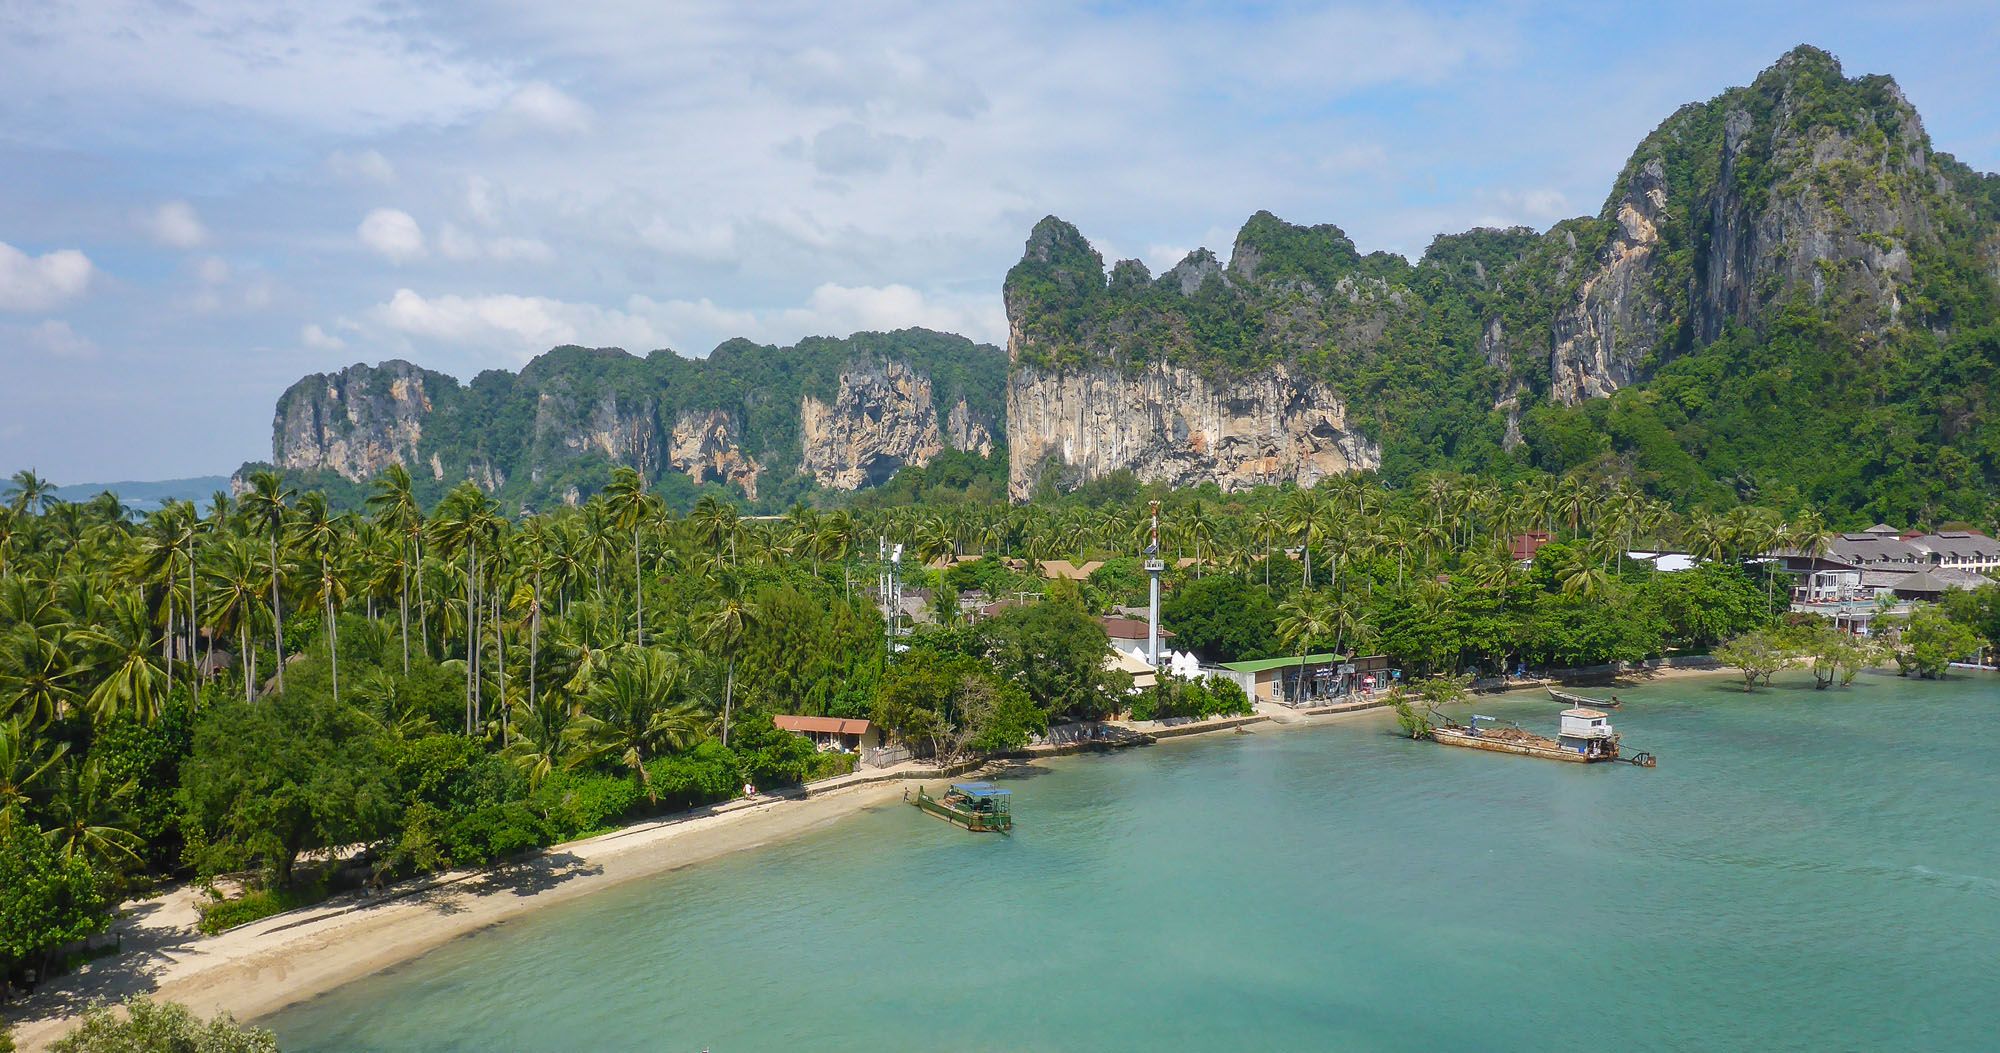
(1302, 619)
(88, 809)
(638, 710)
(725, 628)
(626, 500)
(321, 535)
(395, 505)
(30, 492)
(1303, 510)
(266, 505)
(122, 656)
(543, 739)
(24, 762)
(235, 591)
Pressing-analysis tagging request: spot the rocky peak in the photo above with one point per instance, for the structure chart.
(1194, 270)
(882, 417)
(357, 421)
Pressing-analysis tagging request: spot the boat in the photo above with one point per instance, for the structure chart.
(980, 807)
(1584, 737)
(1570, 698)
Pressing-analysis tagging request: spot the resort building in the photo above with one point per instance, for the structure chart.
(1525, 546)
(1129, 635)
(844, 734)
(1299, 681)
(1959, 550)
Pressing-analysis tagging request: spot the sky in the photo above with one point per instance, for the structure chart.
(202, 201)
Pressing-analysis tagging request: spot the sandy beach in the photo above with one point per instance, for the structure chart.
(266, 965)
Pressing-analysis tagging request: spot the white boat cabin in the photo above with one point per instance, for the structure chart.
(1580, 723)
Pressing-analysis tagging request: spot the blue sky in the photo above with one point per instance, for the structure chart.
(204, 200)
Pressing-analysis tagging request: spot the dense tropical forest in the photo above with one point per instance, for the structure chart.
(284, 699)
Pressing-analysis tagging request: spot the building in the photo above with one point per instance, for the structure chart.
(1525, 546)
(1062, 568)
(1958, 550)
(1129, 635)
(1143, 673)
(833, 733)
(1297, 681)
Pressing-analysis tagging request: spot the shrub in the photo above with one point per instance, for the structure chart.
(575, 804)
(146, 1026)
(704, 775)
(254, 904)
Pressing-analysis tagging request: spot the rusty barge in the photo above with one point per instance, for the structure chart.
(1585, 737)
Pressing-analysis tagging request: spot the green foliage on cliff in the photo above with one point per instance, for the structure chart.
(1860, 376)
(556, 429)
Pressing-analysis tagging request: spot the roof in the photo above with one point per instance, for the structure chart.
(1062, 568)
(1262, 664)
(1869, 549)
(1938, 581)
(1882, 528)
(980, 789)
(1587, 714)
(830, 725)
(1129, 629)
(1960, 543)
(1524, 546)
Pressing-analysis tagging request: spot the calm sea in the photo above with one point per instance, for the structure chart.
(1804, 870)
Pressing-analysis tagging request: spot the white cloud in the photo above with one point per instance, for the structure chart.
(851, 148)
(392, 233)
(212, 270)
(522, 325)
(176, 225)
(361, 166)
(481, 201)
(319, 339)
(457, 244)
(540, 106)
(54, 336)
(37, 283)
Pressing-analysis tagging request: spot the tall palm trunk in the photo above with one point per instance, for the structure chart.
(728, 698)
(277, 614)
(534, 635)
(423, 606)
(639, 583)
(403, 603)
(332, 634)
(249, 662)
(471, 635)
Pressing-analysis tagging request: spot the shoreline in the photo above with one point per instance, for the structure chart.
(264, 966)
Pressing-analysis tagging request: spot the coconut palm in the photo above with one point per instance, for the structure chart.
(26, 762)
(628, 504)
(29, 492)
(543, 740)
(88, 819)
(235, 590)
(267, 505)
(1303, 619)
(638, 711)
(724, 629)
(119, 652)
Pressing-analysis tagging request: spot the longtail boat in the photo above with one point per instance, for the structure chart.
(1585, 737)
(1571, 698)
(980, 807)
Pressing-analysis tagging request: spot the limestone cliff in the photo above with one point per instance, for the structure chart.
(706, 447)
(356, 422)
(842, 413)
(884, 416)
(1171, 424)
(1805, 186)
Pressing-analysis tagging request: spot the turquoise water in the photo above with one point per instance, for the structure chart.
(1805, 870)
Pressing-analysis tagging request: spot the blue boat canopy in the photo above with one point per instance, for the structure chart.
(980, 789)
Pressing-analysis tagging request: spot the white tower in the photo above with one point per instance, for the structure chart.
(1153, 569)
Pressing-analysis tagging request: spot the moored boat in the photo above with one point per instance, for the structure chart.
(1585, 737)
(1571, 698)
(980, 807)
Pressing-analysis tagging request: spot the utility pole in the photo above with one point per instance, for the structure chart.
(1153, 568)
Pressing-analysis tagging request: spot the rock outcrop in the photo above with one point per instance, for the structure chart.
(356, 422)
(882, 418)
(847, 413)
(706, 447)
(1804, 185)
(1171, 424)
(1605, 333)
